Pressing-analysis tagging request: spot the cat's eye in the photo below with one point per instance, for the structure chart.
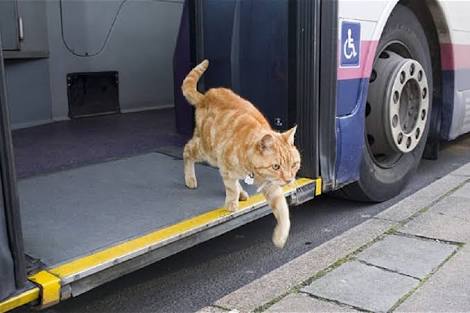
(276, 167)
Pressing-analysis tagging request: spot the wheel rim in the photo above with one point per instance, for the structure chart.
(397, 107)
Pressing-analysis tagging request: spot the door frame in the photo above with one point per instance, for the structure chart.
(9, 183)
(327, 96)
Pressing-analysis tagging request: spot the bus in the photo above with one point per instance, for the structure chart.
(92, 119)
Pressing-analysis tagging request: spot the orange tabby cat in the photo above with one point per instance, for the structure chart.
(234, 136)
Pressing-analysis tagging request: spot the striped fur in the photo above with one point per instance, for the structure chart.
(234, 136)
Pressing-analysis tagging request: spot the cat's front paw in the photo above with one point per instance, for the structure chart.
(232, 206)
(243, 195)
(280, 236)
(191, 182)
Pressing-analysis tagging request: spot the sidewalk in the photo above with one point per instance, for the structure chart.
(413, 257)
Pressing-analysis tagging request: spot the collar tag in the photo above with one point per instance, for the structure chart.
(249, 179)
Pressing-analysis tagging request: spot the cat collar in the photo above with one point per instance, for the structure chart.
(250, 179)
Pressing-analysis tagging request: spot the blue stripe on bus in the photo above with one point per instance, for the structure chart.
(348, 95)
(350, 98)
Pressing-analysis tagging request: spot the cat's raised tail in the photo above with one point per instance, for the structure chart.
(189, 86)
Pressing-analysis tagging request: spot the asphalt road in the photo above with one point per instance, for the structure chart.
(198, 276)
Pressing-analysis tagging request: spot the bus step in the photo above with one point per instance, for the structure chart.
(303, 194)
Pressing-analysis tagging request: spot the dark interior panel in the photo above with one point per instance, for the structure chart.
(93, 93)
(246, 42)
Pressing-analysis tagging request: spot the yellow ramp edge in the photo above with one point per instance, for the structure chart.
(23, 298)
(50, 287)
(80, 265)
(318, 186)
(48, 292)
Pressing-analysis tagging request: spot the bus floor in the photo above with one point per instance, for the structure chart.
(104, 193)
(68, 144)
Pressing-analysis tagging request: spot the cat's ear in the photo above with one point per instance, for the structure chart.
(290, 134)
(266, 142)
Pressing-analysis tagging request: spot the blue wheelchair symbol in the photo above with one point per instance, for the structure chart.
(350, 44)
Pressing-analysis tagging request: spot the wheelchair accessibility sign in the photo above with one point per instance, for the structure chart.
(350, 44)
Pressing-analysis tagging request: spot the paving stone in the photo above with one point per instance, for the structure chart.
(446, 291)
(439, 226)
(279, 281)
(453, 206)
(362, 286)
(410, 256)
(448, 219)
(463, 192)
(421, 199)
(463, 170)
(303, 303)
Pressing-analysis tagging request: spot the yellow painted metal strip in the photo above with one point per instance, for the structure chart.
(318, 186)
(48, 292)
(298, 183)
(95, 259)
(19, 300)
(50, 287)
(100, 257)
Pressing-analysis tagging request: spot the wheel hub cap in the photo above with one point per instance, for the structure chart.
(397, 105)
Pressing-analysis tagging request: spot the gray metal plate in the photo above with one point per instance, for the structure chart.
(72, 213)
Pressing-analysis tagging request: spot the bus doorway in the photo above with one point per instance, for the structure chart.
(98, 153)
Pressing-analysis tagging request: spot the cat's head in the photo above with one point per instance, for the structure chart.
(276, 159)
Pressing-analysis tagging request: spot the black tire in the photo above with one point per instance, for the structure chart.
(377, 183)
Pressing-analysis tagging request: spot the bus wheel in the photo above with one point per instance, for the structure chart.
(397, 111)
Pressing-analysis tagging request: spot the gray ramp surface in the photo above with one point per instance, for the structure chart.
(72, 213)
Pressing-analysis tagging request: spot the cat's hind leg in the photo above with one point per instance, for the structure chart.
(278, 203)
(243, 194)
(191, 155)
